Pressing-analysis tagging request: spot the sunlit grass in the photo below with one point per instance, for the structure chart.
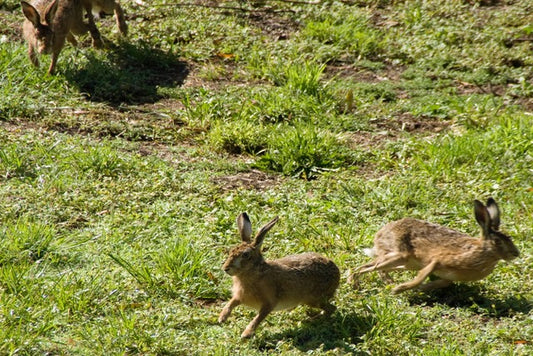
(121, 175)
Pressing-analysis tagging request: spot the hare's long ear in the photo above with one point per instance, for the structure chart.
(245, 227)
(483, 218)
(494, 213)
(50, 12)
(260, 236)
(31, 13)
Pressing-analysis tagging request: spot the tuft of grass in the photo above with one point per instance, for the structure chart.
(121, 175)
(303, 151)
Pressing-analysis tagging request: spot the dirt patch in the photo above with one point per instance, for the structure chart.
(274, 25)
(338, 69)
(254, 179)
(393, 130)
(10, 27)
(207, 302)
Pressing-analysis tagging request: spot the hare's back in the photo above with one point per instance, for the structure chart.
(310, 273)
(408, 234)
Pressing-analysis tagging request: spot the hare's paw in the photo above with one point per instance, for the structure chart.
(223, 316)
(247, 333)
(98, 43)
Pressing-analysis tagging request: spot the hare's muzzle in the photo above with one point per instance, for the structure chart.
(228, 270)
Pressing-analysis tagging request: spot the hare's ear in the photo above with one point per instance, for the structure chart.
(482, 217)
(245, 227)
(50, 12)
(260, 236)
(494, 213)
(31, 13)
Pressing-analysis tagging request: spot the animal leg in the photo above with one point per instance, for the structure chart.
(390, 262)
(226, 311)
(91, 26)
(328, 308)
(250, 329)
(438, 283)
(121, 21)
(72, 39)
(53, 63)
(385, 276)
(422, 274)
(33, 56)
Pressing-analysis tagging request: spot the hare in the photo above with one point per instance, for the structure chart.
(284, 283)
(102, 7)
(410, 244)
(48, 23)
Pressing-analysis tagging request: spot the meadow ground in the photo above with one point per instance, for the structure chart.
(121, 176)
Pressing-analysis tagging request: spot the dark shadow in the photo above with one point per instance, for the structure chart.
(325, 333)
(129, 73)
(478, 300)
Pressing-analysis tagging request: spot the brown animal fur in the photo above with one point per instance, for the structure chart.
(49, 23)
(410, 244)
(307, 278)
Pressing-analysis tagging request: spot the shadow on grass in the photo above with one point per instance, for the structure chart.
(129, 73)
(473, 297)
(325, 333)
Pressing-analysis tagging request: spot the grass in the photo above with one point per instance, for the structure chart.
(122, 175)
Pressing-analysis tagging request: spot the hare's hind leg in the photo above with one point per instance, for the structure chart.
(385, 276)
(91, 26)
(438, 283)
(390, 262)
(327, 308)
(121, 21)
(422, 274)
(72, 39)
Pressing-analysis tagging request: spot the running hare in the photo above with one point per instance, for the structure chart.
(307, 278)
(410, 244)
(49, 23)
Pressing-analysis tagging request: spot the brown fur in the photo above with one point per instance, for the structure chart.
(410, 244)
(307, 278)
(49, 23)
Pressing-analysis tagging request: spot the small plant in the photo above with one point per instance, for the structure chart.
(238, 137)
(303, 151)
(305, 78)
(348, 32)
(25, 241)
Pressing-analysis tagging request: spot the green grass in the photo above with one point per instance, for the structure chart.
(122, 175)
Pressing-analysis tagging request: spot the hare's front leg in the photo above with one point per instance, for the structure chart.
(33, 56)
(226, 311)
(93, 30)
(53, 63)
(250, 329)
(422, 274)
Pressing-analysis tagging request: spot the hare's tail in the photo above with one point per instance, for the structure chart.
(370, 252)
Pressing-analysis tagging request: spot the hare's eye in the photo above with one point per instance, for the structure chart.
(246, 254)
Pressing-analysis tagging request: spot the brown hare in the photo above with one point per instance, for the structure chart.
(49, 23)
(307, 278)
(410, 244)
